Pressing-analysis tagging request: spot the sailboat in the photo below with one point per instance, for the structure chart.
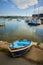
(35, 21)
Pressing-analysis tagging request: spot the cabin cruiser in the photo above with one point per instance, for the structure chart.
(34, 22)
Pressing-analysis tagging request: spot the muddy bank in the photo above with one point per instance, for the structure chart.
(6, 60)
(35, 53)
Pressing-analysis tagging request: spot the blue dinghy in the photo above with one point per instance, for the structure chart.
(19, 47)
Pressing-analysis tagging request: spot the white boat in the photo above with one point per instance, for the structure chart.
(34, 22)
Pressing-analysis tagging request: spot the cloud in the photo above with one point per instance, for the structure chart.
(23, 4)
(39, 9)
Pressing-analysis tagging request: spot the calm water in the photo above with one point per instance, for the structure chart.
(14, 29)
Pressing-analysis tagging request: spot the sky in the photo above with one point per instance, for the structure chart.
(20, 7)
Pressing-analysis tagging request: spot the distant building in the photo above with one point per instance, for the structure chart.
(37, 15)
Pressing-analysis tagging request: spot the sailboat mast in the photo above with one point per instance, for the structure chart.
(38, 10)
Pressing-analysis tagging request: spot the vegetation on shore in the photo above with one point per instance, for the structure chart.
(4, 50)
(40, 15)
(15, 17)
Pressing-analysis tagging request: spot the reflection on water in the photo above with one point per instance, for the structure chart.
(14, 29)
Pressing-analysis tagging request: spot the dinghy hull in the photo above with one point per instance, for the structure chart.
(19, 52)
(22, 49)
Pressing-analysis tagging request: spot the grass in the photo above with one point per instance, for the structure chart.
(4, 50)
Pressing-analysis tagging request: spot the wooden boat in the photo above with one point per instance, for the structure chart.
(19, 47)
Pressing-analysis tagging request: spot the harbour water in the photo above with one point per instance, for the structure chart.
(14, 29)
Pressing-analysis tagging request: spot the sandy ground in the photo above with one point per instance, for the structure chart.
(34, 54)
(7, 60)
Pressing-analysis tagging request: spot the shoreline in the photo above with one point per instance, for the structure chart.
(35, 54)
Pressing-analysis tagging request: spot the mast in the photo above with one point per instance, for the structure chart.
(38, 10)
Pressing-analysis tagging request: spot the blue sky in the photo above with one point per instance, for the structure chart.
(20, 7)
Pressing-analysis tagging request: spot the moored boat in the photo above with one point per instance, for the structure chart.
(34, 22)
(19, 47)
(26, 21)
(1, 24)
(41, 18)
